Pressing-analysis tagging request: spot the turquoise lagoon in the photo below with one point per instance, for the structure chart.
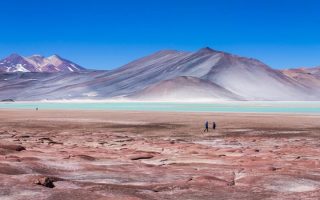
(310, 107)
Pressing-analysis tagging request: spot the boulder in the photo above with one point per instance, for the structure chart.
(141, 156)
(12, 147)
(45, 181)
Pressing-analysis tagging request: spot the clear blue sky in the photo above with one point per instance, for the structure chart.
(107, 34)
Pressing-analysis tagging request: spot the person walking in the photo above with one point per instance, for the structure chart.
(214, 125)
(206, 125)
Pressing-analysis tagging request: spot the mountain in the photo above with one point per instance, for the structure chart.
(45, 85)
(37, 63)
(244, 77)
(310, 77)
(186, 88)
(172, 75)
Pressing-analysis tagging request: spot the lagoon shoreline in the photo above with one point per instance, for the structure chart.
(261, 107)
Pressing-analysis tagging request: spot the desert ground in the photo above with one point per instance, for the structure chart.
(157, 155)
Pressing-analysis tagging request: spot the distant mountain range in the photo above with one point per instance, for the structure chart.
(37, 63)
(167, 75)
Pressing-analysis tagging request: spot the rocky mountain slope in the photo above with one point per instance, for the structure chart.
(187, 88)
(310, 77)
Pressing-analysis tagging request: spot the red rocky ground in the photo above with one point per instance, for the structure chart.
(149, 155)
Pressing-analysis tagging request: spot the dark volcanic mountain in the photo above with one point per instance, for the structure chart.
(165, 75)
(37, 63)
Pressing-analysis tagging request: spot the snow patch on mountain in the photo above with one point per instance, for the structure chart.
(20, 68)
(37, 63)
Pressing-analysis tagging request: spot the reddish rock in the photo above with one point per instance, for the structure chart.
(10, 169)
(210, 180)
(141, 156)
(225, 166)
(45, 181)
(13, 158)
(84, 157)
(12, 147)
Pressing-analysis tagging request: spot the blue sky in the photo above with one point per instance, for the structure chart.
(107, 34)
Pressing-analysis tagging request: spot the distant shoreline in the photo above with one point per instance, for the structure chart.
(252, 107)
(116, 101)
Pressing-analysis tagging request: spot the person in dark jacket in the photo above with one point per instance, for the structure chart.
(206, 125)
(214, 125)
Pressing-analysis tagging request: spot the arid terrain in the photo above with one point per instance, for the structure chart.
(157, 155)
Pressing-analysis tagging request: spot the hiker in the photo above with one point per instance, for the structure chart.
(214, 125)
(37, 108)
(206, 127)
